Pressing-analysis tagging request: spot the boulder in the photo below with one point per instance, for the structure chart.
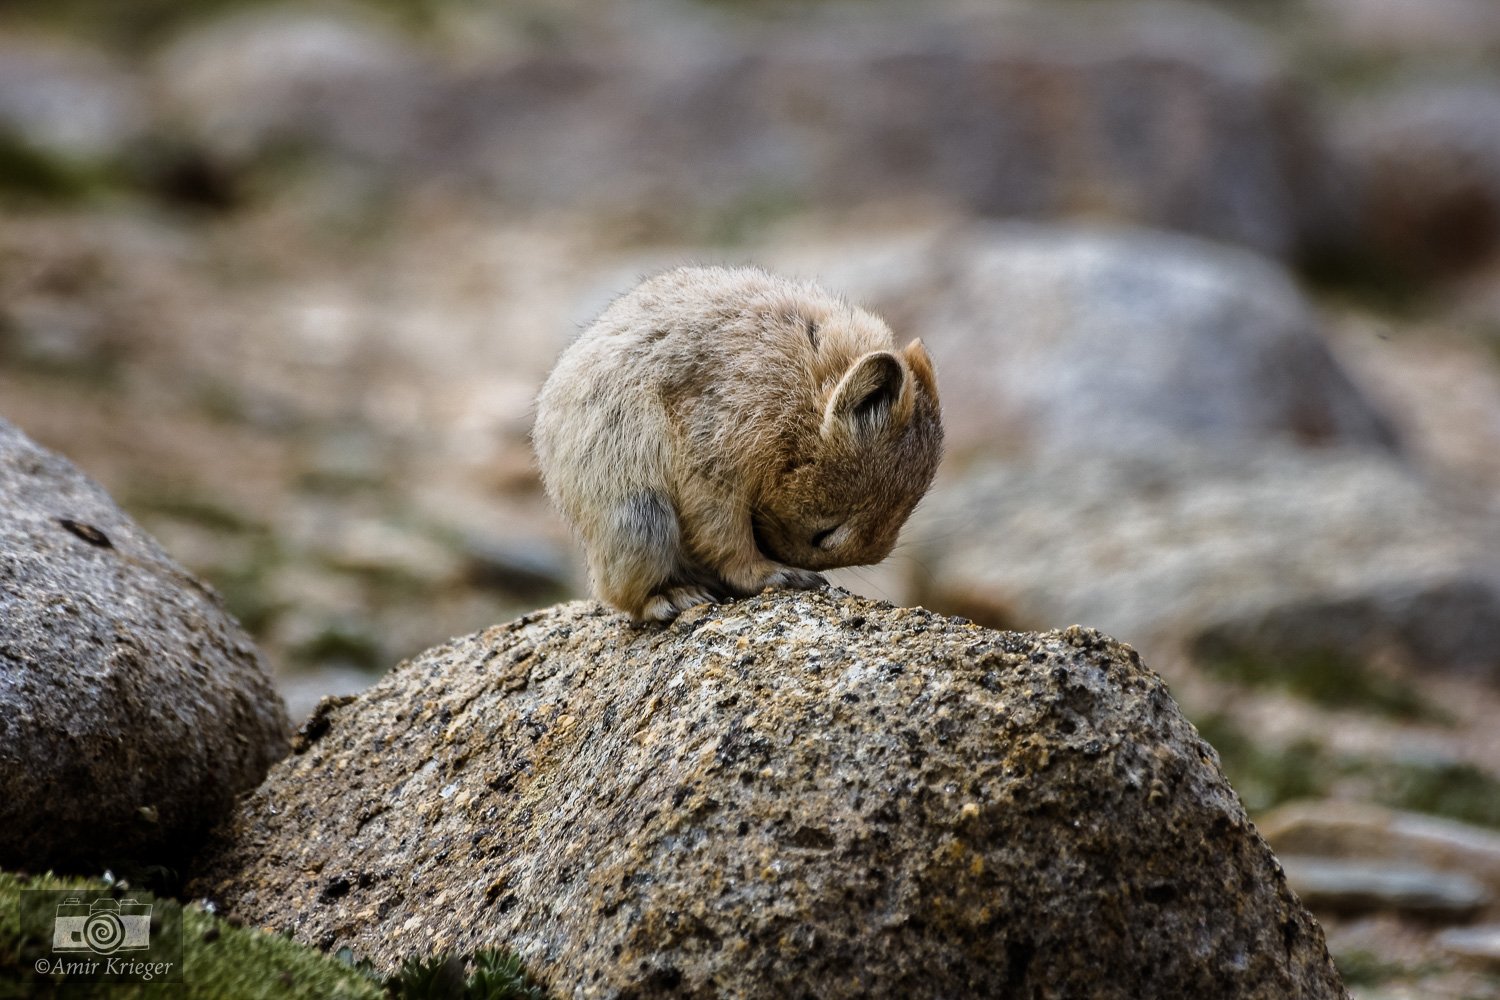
(793, 795)
(1478, 946)
(132, 707)
(1358, 830)
(1347, 888)
(1169, 114)
(68, 101)
(1465, 32)
(1273, 553)
(1109, 340)
(251, 82)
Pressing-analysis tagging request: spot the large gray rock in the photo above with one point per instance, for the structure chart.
(1107, 340)
(1270, 552)
(1170, 114)
(68, 101)
(250, 82)
(132, 707)
(794, 795)
(1357, 830)
(1479, 946)
(1363, 887)
(1464, 32)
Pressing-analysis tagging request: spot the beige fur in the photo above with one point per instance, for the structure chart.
(718, 431)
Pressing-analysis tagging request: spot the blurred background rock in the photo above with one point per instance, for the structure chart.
(1213, 289)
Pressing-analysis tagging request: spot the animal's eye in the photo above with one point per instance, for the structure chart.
(823, 536)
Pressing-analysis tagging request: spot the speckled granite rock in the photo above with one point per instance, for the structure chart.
(795, 795)
(132, 708)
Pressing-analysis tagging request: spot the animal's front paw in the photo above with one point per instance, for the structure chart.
(668, 604)
(792, 578)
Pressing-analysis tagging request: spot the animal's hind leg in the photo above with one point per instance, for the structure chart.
(640, 566)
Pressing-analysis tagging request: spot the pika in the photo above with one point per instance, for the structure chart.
(717, 431)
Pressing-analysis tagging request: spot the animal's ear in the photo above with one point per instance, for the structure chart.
(875, 393)
(921, 366)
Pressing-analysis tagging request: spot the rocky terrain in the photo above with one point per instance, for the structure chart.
(827, 797)
(1213, 292)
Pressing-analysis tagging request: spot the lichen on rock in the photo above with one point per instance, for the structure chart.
(793, 795)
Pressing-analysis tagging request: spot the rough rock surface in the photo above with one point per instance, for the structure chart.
(1059, 338)
(794, 795)
(1263, 552)
(132, 707)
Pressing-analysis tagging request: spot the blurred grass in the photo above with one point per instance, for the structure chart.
(1449, 788)
(1365, 968)
(1266, 775)
(1327, 678)
(31, 174)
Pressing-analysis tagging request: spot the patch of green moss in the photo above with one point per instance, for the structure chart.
(242, 579)
(1326, 677)
(97, 369)
(245, 587)
(386, 584)
(1487, 334)
(31, 174)
(342, 644)
(1365, 968)
(196, 510)
(739, 220)
(488, 975)
(1454, 789)
(1266, 776)
(220, 961)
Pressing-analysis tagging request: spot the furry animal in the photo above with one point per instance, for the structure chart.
(718, 431)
